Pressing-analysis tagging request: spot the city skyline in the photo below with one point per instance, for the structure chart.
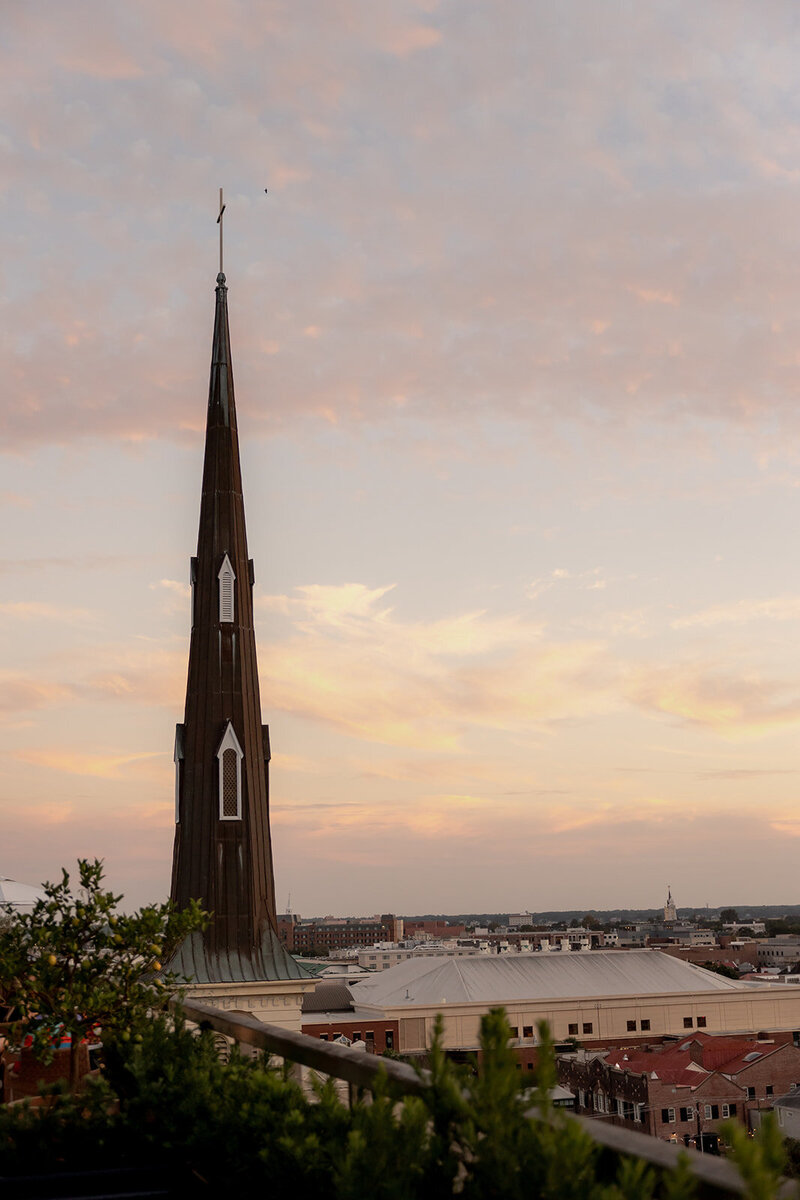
(514, 341)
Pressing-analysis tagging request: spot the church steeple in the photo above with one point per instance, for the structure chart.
(223, 853)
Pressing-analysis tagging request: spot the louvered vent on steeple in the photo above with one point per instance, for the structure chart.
(226, 581)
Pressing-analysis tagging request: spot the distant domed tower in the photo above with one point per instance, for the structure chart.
(670, 914)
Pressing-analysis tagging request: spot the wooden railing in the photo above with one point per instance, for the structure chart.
(714, 1177)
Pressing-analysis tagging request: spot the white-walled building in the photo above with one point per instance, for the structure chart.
(606, 996)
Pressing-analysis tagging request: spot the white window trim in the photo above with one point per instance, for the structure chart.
(230, 742)
(193, 587)
(227, 596)
(177, 758)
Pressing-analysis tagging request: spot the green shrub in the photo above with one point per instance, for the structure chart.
(243, 1128)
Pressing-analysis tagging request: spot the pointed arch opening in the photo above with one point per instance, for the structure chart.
(229, 758)
(178, 760)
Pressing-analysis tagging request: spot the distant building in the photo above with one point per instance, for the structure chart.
(376, 958)
(670, 912)
(756, 927)
(678, 1091)
(334, 933)
(787, 1110)
(329, 1014)
(778, 951)
(434, 929)
(603, 998)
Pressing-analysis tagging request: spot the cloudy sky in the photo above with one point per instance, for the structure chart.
(517, 349)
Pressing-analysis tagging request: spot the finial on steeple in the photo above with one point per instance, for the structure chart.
(221, 276)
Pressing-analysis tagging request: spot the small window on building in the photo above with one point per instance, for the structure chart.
(527, 1031)
(638, 1113)
(357, 1035)
(687, 1022)
(668, 1116)
(644, 1025)
(323, 1037)
(770, 1090)
(726, 1112)
(370, 1035)
(631, 1026)
(226, 581)
(701, 1023)
(751, 1093)
(390, 1039)
(529, 1066)
(573, 1030)
(587, 1026)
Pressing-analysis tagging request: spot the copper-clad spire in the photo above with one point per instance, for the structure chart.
(223, 853)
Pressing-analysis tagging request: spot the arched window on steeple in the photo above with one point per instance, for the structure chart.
(229, 757)
(227, 580)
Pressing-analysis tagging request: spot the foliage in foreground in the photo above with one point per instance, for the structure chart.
(244, 1128)
(74, 962)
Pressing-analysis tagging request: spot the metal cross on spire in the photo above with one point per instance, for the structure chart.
(219, 222)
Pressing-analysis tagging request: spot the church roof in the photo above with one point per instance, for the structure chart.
(196, 961)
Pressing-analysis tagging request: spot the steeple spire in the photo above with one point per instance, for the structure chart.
(223, 854)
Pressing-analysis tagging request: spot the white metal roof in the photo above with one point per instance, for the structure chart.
(19, 895)
(503, 979)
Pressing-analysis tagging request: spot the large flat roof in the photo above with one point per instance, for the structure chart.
(500, 979)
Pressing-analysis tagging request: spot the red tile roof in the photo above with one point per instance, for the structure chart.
(692, 1059)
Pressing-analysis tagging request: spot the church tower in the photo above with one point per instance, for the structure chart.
(223, 853)
(670, 912)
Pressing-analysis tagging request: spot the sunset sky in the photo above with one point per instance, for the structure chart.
(516, 339)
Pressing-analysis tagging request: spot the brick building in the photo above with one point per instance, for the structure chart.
(432, 929)
(334, 933)
(678, 1090)
(779, 951)
(329, 1012)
